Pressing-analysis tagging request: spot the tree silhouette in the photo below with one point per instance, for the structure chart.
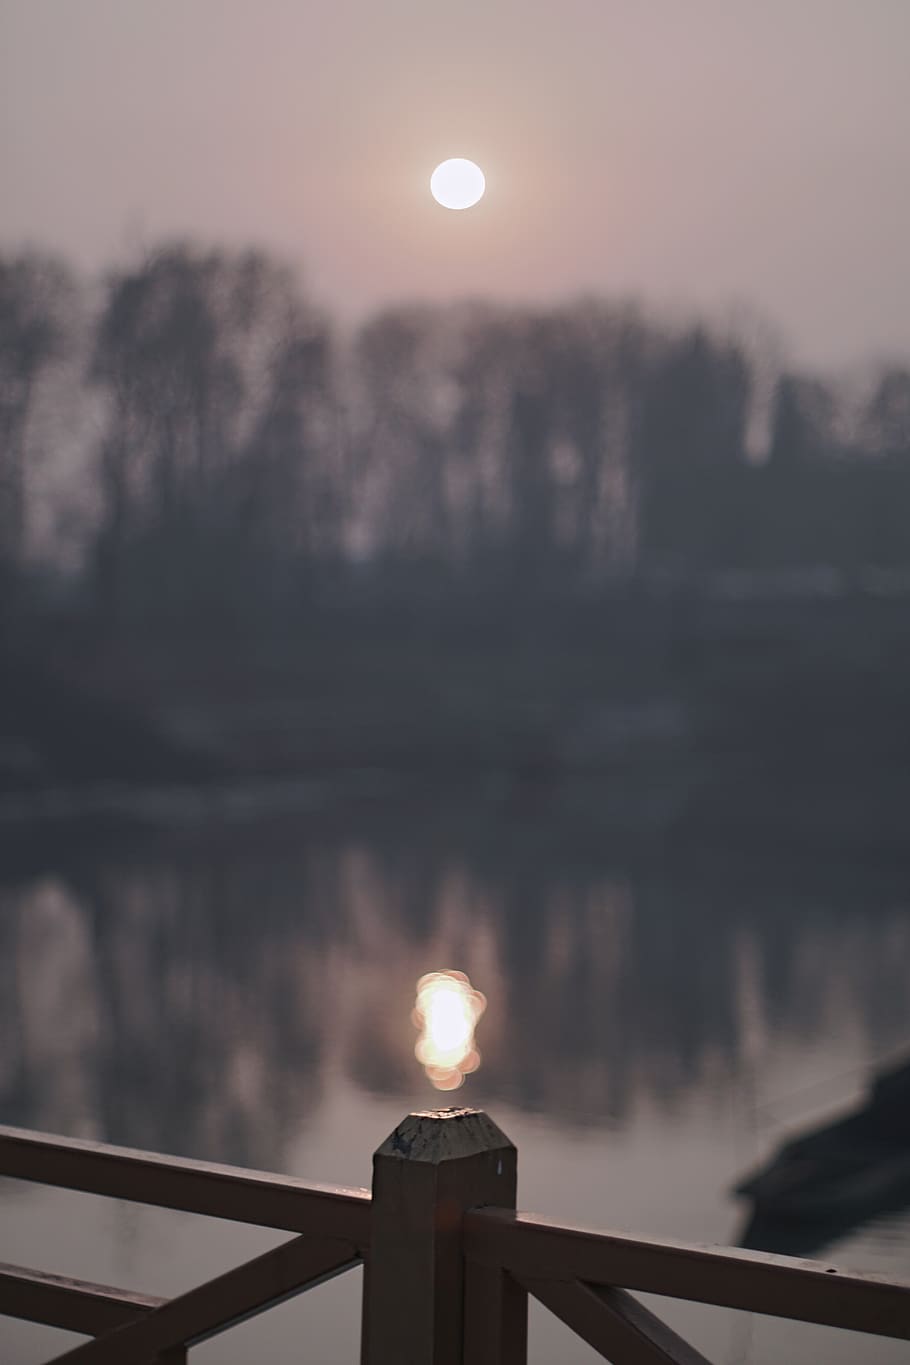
(37, 294)
(208, 361)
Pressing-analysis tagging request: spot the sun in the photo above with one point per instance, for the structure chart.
(457, 183)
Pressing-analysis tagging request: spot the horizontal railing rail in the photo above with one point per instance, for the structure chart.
(73, 1305)
(536, 1250)
(449, 1261)
(242, 1196)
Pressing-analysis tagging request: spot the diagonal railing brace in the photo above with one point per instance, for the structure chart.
(614, 1323)
(220, 1303)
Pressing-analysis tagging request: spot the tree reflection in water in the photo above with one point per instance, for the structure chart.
(197, 996)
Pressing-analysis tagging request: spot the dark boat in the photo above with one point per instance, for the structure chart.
(828, 1181)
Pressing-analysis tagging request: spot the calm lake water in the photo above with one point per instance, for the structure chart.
(661, 1015)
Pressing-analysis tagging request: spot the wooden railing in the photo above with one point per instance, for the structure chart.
(449, 1263)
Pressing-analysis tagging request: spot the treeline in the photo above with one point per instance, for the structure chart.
(209, 442)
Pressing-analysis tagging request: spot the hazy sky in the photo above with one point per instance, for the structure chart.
(692, 151)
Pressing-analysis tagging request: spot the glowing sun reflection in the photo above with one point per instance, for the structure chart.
(446, 1011)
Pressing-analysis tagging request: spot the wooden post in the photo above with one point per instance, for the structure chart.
(433, 1167)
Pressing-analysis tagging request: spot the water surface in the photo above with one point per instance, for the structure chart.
(661, 1015)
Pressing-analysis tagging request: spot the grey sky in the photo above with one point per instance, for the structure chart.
(706, 152)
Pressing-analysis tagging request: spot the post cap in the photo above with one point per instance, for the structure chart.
(437, 1135)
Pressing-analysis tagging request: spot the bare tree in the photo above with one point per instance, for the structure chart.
(212, 364)
(689, 440)
(803, 423)
(887, 418)
(37, 294)
(406, 399)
